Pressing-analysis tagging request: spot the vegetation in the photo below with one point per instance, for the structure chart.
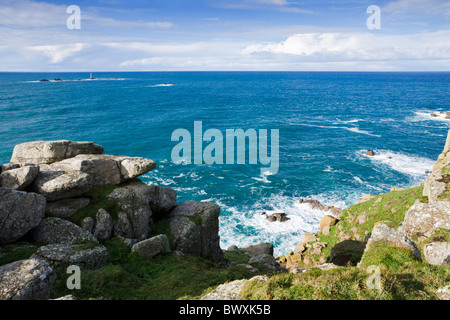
(129, 277)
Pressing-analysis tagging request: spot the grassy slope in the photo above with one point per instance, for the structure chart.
(403, 276)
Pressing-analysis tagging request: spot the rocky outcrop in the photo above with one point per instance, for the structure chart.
(65, 208)
(60, 231)
(19, 213)
(195, 227)
(30, 279)
(422, 219)
(75, 176)
(87, 257)
(103, 225)
(162, 200)
(152, 247)
(20, 178)
(437, 253)
(46, 152)
(231, 290)
(133, 209)
(393, 238)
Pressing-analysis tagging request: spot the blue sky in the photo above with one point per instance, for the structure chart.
(184, 35)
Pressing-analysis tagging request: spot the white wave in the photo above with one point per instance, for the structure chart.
(357, 130)
(358, 179)
(161, 85)
(263, 177)
(426, 116)
(246, 226)
(413, 166)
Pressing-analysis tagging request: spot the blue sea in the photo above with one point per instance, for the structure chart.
(326, 123)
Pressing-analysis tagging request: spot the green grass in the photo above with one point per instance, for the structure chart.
(129, 277)
(390, 207)
(15, 252)
(98, 200)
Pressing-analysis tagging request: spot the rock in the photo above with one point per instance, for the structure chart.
(365, 198)
(77, 175)
(64, 255)
(231, 290)
(9, 166)
(88, 224)
(60, 231)
(327, 222)
(104, 225)
(437, 253)
(361, 219)
(370, 153)
(317, 248)
(393, 238)
(30, 279)
(443, 293)
(195, 226)
(57, 185)
(300, 248)
(308, 237)
(131, 168)
(162, 199)
(20, 178)
(259, 249)
(313, 203)
(433, 115)
(280, 217)
(152, 247)
(46, 152)
(133, 209)
(422, 219)
(19, 213)
(267, 262)
(347, 251)
(65, 208)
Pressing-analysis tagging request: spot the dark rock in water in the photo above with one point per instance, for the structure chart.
(44, 80)
(58, 79)
(370, 153)
(280, 217)
(433, 115)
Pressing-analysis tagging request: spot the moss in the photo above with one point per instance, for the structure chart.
(439, 235)
(98, 200)
(11, 253)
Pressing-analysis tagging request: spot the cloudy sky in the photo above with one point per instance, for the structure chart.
(185, 35)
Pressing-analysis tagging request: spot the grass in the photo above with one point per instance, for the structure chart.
(403, 277)
(389, 207)
(98, 200)
(130, 277)
(15, 252)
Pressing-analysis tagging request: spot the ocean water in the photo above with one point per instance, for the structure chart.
(327, 122)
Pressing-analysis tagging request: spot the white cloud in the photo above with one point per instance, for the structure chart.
(58, 53)
(357, 47)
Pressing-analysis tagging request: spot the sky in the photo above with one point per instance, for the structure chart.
(224, 35)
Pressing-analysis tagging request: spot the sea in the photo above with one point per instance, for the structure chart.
(327, 121)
